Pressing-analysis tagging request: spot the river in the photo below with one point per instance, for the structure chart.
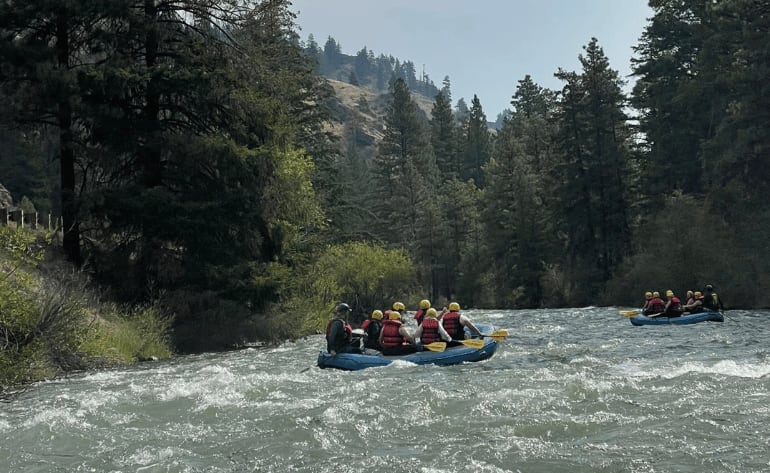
(571, 390)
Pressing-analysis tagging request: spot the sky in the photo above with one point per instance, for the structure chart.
(484, 46)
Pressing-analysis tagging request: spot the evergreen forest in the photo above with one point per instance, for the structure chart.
(204, 166)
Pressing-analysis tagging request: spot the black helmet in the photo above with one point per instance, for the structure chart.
(709, 287)
(343, 308)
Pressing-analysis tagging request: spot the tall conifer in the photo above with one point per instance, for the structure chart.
(594, 142)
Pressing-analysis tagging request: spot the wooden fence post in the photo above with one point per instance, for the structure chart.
(31, 220)
(18, 217)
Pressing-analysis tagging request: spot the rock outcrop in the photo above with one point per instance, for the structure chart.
(5, 197)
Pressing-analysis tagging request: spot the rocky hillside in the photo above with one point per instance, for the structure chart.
(362, 109)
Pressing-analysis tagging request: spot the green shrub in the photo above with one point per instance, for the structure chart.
(126, 335)
(365, 275)
(50, 324)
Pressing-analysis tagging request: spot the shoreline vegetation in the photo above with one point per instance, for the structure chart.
(52, 322)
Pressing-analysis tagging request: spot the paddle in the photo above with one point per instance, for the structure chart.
(628, 313)
(475, 343)
(435, 346)
(497, 335)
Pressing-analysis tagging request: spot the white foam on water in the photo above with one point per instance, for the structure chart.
(747, 369)
(106, 377)
(212, 386)
(94, 402)
(55, 418)
(399, 365)
(149, 455)
(744, 369)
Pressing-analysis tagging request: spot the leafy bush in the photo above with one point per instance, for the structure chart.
(50, 323)
(365, 275)
(123, 336)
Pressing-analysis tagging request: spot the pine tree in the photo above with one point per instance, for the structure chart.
(446, 88)
(405, 171)
(516, 214)
(362, 65)
(593, 136)
(461, 266)
(476, 144)
(443, 137)
(45, 45)
(736, 61)
(461, 111)
(332, 56)
(677, 108)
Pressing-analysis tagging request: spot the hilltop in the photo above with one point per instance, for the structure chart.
(365, 109)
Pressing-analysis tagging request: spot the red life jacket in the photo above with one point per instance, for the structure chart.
(391, 337)
(657, 305)
(429, 331)
(348, 328)
(342, 337)
(451, 322)
(419, 315)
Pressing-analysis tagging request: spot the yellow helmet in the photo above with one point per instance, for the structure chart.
(656, 294)
(424, 304)
(454, 307)
(394, 315)
(648, 295)
(431, 313)
(698, 294)
(377, 315)
(399, 306)
(669, 293)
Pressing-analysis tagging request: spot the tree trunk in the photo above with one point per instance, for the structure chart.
(70, 221)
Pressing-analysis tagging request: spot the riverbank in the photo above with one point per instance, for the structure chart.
(53, 321)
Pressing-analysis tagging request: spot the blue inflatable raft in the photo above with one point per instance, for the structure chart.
(682, 320)
(451, 356)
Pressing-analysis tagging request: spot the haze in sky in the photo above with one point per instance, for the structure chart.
(484, 46)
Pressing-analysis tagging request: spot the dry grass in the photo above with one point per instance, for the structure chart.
(369, 119)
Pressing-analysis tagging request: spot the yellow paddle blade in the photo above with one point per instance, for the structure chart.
(435, 346)
(628, 313)
(473, 343)
(498, 335)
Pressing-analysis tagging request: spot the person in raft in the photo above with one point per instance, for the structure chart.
(656, 305)
(711, 300)
(372, 328)
(690, 298)
(673, 307)
(398, 307)
(454, 323)
(430, 329)
(395, 339)
(647, 299)
(420, 314)
(339, 334)
(696, 306)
